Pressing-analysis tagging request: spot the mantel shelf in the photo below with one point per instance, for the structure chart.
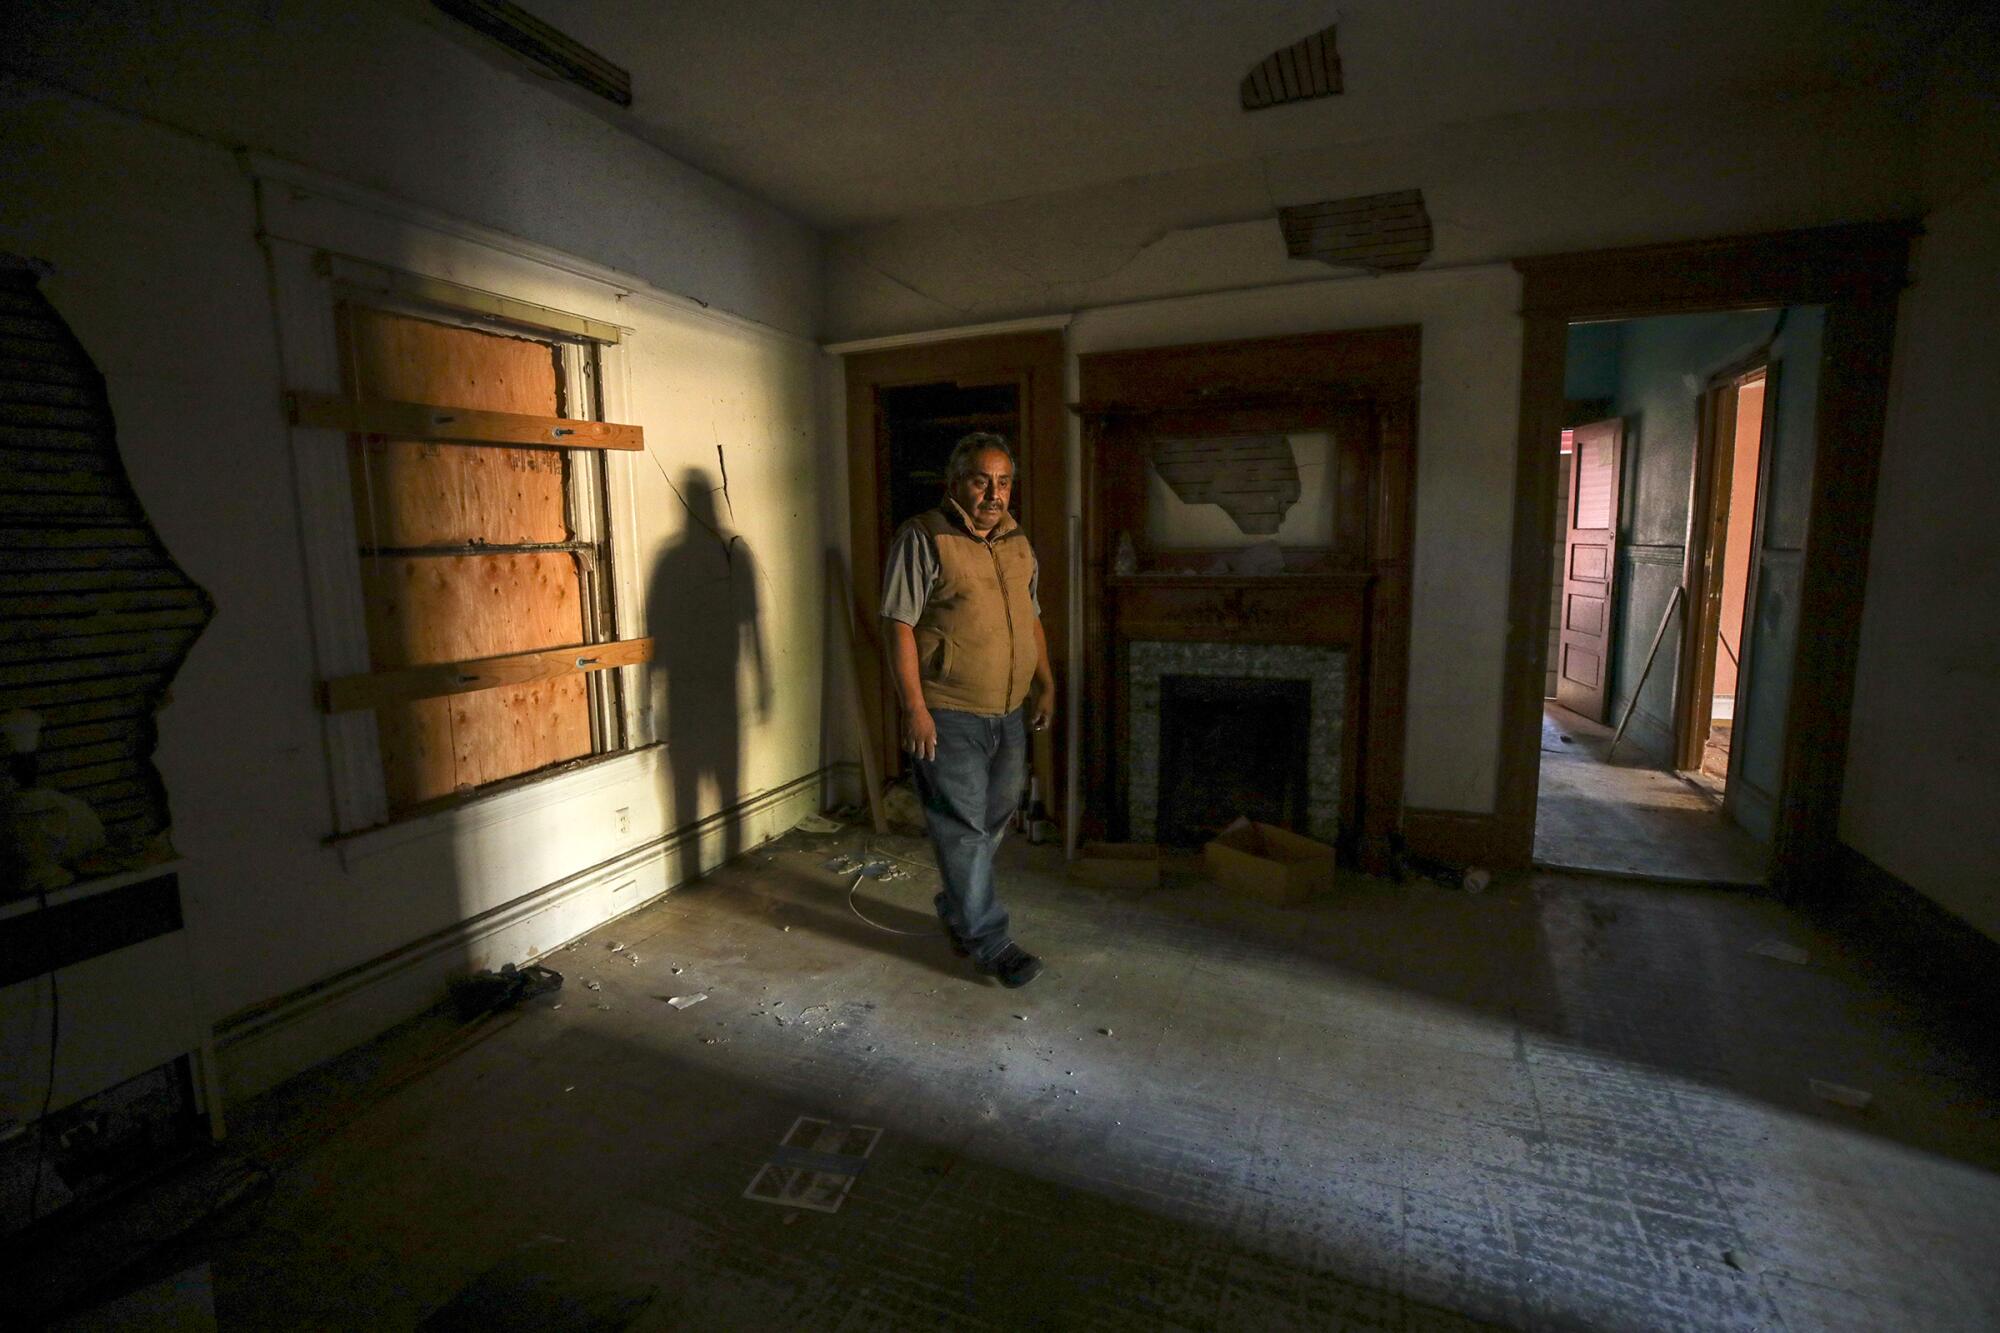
(1332, 579)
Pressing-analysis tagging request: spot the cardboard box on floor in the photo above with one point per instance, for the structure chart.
(1272, 864)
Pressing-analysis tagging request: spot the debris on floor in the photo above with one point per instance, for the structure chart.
(593, 985)
(874, 867)
(818, 824)
(687, 1001)
(1855, 1099)
(814, 1165)
(1742, 1261)
(1783, 952)
(487, 991)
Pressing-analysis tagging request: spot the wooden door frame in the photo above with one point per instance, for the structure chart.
(1034, 361)
(1857, 272)
(1694, 674)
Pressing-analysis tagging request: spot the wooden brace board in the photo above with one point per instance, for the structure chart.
(374, 688)
(455, 425)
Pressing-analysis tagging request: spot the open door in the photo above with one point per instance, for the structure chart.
(1724, 508)
(1590, 539)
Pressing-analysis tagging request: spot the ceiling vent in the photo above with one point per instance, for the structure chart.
(1382, 232)
(521, 32)
(1300, 72)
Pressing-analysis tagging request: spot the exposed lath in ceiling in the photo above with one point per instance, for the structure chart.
(1382, 232)
(1306, 69)
(551, 48)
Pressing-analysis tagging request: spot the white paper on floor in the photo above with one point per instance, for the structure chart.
(1841, 1095)
(814, 1165)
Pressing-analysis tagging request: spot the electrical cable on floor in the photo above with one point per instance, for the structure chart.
(868, 846)
(854, 908)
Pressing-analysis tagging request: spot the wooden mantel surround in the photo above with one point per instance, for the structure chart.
(1361, 388)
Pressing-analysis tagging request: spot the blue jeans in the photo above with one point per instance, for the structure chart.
(969, 792)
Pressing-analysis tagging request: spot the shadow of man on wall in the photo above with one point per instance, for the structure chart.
(702, 611)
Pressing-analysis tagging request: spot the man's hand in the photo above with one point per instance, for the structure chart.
(1042, 689)
(1041, 705)
(920, 733)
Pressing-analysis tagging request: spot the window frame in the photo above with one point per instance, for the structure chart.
(315, 241)
(585, 508)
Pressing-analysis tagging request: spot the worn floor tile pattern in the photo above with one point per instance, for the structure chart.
(1568, 1103)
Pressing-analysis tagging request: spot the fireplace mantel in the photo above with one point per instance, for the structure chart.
(1361, 387)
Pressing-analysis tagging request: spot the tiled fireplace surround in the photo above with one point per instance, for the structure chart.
(1323, 668)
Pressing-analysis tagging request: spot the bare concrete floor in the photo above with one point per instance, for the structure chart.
(1624, 817)
(1568, 1103)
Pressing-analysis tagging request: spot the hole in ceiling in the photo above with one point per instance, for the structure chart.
(1381, 232)
(1308, 68)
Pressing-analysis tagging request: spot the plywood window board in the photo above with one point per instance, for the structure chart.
(472, 553)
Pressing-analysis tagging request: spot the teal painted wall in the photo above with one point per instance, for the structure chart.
(1590, 369)
(1663, 367)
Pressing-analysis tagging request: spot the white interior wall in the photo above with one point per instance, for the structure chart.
(1923, 764)
(306, 947)
(392, 95)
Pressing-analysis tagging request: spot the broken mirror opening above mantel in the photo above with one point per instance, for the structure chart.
(1239, 503)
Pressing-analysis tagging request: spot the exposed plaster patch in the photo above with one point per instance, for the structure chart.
(1252, 478)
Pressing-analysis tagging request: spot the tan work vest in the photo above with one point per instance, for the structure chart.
(976, 638)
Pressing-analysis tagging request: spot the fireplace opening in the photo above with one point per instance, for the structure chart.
(1229, 746)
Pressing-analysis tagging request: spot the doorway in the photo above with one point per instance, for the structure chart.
(1660, 484)
(1722, 538)
(1802, 689)
(907, 406)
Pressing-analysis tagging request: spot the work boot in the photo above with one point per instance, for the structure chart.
(1013, 965)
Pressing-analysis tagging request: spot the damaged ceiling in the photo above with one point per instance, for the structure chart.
(854, 114)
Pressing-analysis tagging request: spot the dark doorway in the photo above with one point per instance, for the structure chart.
(921, 423)
(906, 408)
(1231, 746)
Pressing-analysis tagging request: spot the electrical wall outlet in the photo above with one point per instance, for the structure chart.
(623, 814)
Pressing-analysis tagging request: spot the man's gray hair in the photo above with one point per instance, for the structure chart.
(969, 448)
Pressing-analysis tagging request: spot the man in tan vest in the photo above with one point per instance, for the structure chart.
(971, 666)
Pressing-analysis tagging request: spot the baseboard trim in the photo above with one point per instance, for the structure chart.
(326, 1016)
(1456, 837)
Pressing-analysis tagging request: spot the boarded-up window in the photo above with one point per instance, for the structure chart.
(471, 552)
